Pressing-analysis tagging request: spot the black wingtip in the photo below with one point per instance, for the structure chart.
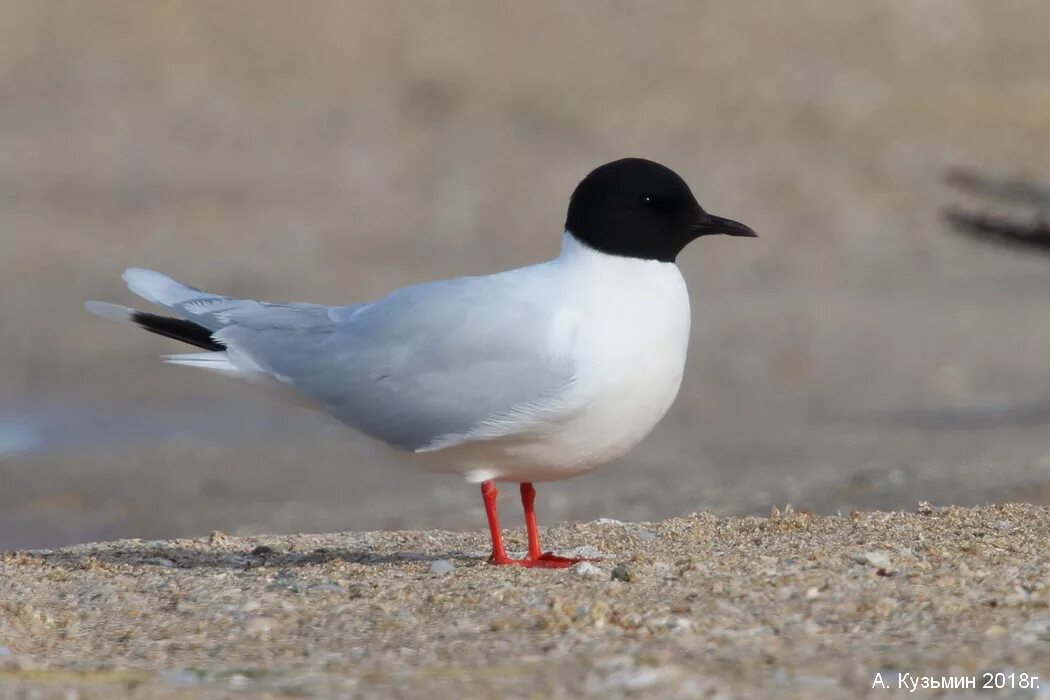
(1032, 234)
(177, 329)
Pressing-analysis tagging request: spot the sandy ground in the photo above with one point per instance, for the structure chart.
(794, 604)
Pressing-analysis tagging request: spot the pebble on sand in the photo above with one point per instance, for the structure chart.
(441, 567)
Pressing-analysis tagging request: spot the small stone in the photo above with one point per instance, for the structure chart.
(441, 567)
(1037, 629)
(239, 680)
(622, 572)
(995, 632)
(680, 624)
(812, 593)
(877, 559)
(260, 625)
(586, 570)
(630, 679)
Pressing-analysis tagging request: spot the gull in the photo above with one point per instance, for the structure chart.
(533, 374)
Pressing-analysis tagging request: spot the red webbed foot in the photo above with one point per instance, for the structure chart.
(547, 560)
(535, 559)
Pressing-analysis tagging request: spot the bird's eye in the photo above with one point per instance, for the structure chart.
(654, 202)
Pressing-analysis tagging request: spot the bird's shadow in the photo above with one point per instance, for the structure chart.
(180, 557)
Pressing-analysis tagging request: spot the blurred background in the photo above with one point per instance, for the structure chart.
(857, 355)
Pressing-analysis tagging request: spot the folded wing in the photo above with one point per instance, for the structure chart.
(428, 367)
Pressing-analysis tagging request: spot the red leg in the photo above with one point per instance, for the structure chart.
(536, 557)
(528, 502)
(499, 553)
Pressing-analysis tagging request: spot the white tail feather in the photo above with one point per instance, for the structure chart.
(159, 288)
(114, 312)
(228, 362)
(221, 363)
(214, 361)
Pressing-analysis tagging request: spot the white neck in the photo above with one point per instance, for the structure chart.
(572, 247)
(575, 252)
(615, 280)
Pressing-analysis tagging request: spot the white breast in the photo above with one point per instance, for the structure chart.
(631, 337)
(632, 340)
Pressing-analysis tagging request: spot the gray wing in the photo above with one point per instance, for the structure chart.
(429, 366)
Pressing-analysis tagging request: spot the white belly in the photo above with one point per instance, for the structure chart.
(632, 342)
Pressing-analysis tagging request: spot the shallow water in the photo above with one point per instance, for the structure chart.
(72, 472)
(29, 426)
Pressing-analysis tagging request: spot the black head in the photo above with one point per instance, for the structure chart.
(640, 209)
